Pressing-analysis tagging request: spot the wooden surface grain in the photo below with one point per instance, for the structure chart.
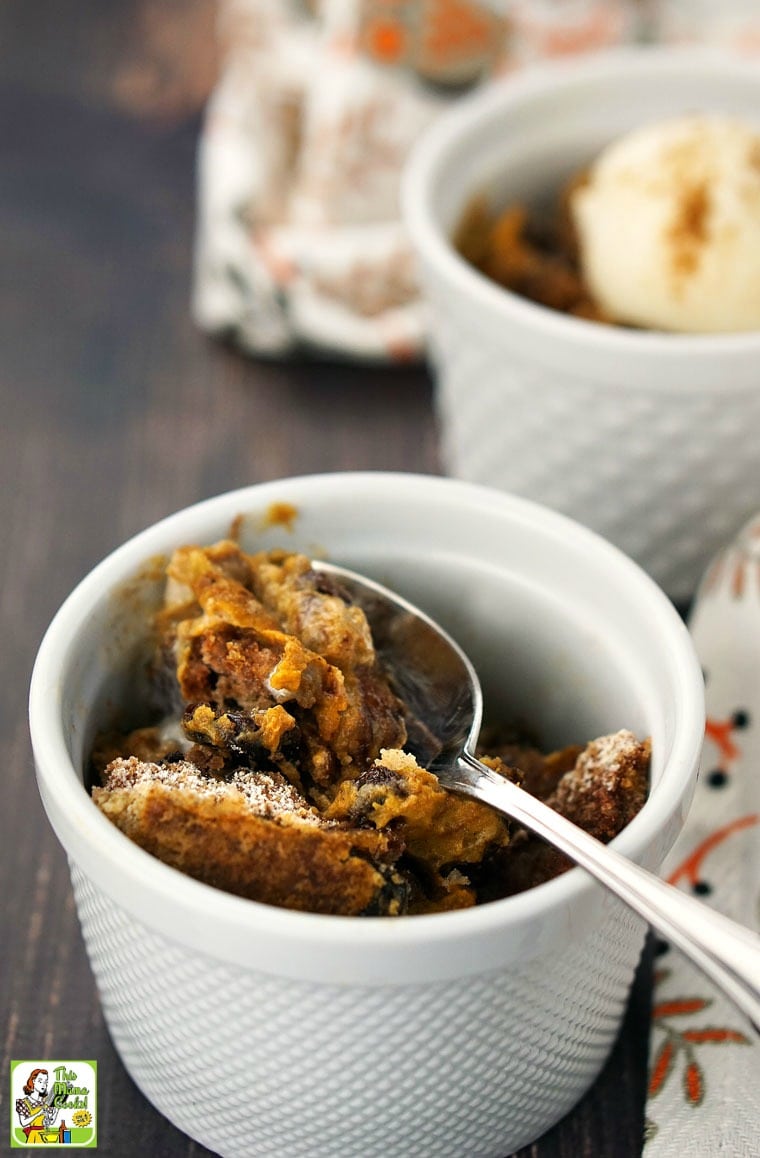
(116, 411)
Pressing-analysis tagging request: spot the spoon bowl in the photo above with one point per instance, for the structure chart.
(441, 690)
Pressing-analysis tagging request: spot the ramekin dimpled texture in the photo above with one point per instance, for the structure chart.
(257, 1066)
(667, 475)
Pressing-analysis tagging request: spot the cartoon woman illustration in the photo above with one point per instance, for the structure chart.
(34, 1110)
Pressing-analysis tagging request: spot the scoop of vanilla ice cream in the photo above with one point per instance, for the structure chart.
(668, 226)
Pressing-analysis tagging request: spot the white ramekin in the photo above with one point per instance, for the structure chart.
(261, 1031)
(651, 439)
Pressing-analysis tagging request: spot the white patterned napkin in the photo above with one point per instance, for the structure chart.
(299, 241)
(704, 1080)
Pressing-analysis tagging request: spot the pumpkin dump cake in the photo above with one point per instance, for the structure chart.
(277, 769)
(661, 231)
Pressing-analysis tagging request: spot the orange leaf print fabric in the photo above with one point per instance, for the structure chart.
(704, 1083)
(693, 1083)
(717, 1035)
(662, 1067)
(673, 1008)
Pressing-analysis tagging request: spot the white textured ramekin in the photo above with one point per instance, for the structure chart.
(459, 1033)
(651, 439)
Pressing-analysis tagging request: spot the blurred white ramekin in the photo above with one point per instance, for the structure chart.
(264, 1032)
(651, 439)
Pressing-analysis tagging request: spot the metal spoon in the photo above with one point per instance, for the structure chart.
(440, 687)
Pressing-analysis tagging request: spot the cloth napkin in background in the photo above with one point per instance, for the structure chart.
(704, 1081)
(299, 242)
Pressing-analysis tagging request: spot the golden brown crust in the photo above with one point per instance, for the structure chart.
(533, 255)
(601, 793)
(212, 832)
(280, 775)
(437, 827)
(241, 647)
(607, 785)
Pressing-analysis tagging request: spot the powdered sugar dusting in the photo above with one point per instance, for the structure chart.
(608, 754)
(267, 795)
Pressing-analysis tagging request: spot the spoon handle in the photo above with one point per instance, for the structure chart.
(728, 953)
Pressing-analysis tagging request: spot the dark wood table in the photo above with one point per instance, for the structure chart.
(117, 411)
